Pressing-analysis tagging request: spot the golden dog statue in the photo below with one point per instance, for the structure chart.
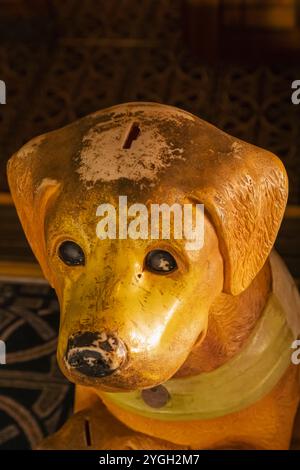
(169, 348)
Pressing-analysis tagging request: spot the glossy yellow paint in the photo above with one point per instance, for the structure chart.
(57, 182)
(158, 317)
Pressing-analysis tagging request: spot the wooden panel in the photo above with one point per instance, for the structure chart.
(247, 30)
(22, 8)
(267, 14)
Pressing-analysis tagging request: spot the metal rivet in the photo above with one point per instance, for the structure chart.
(156, 397)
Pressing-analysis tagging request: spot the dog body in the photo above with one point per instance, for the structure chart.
(212, 337)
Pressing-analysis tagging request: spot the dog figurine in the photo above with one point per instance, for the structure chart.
(169, 348)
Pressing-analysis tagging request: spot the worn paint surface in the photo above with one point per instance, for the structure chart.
(193, 319)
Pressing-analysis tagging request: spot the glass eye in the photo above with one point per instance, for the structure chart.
(71, 253)
(160, 262)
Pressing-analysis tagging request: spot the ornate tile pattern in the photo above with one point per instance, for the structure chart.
(35, 399)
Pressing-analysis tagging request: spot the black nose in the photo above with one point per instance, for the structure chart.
(94, 354)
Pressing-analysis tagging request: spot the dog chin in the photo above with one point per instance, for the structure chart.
(115, 382)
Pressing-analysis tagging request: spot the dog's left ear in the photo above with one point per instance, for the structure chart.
(32, 197)
(245, 193)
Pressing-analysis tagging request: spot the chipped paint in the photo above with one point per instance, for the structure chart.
(237, 149)
(104, 352)
(103, 157)
(31, 146)
(112, 359)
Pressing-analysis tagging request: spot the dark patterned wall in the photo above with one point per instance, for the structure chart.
(90, 54)
(35, 399)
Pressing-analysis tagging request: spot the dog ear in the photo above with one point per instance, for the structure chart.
(245, 194)
(32, 197)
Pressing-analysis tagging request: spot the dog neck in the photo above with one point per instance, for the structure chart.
(231, 321)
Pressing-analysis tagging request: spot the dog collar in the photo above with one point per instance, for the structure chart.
(243, 380)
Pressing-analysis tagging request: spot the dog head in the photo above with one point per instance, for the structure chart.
(132, 309)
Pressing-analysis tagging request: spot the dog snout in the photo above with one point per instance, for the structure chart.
(94, 354)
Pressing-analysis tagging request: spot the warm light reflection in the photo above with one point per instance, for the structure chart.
(140, 342)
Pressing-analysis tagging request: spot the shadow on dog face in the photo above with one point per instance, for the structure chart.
(131, 310)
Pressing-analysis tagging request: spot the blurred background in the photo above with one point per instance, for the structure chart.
(231, 62)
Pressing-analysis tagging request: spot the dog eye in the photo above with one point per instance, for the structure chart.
(160, 262)
(71, 253)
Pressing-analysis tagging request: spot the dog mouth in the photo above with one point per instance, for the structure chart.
(93, 354)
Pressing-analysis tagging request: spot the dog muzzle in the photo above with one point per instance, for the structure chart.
(94, 354)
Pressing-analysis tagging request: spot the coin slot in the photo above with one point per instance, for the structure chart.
(133, 133)
(87, 433)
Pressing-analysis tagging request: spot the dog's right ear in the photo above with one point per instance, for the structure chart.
(32, 195)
